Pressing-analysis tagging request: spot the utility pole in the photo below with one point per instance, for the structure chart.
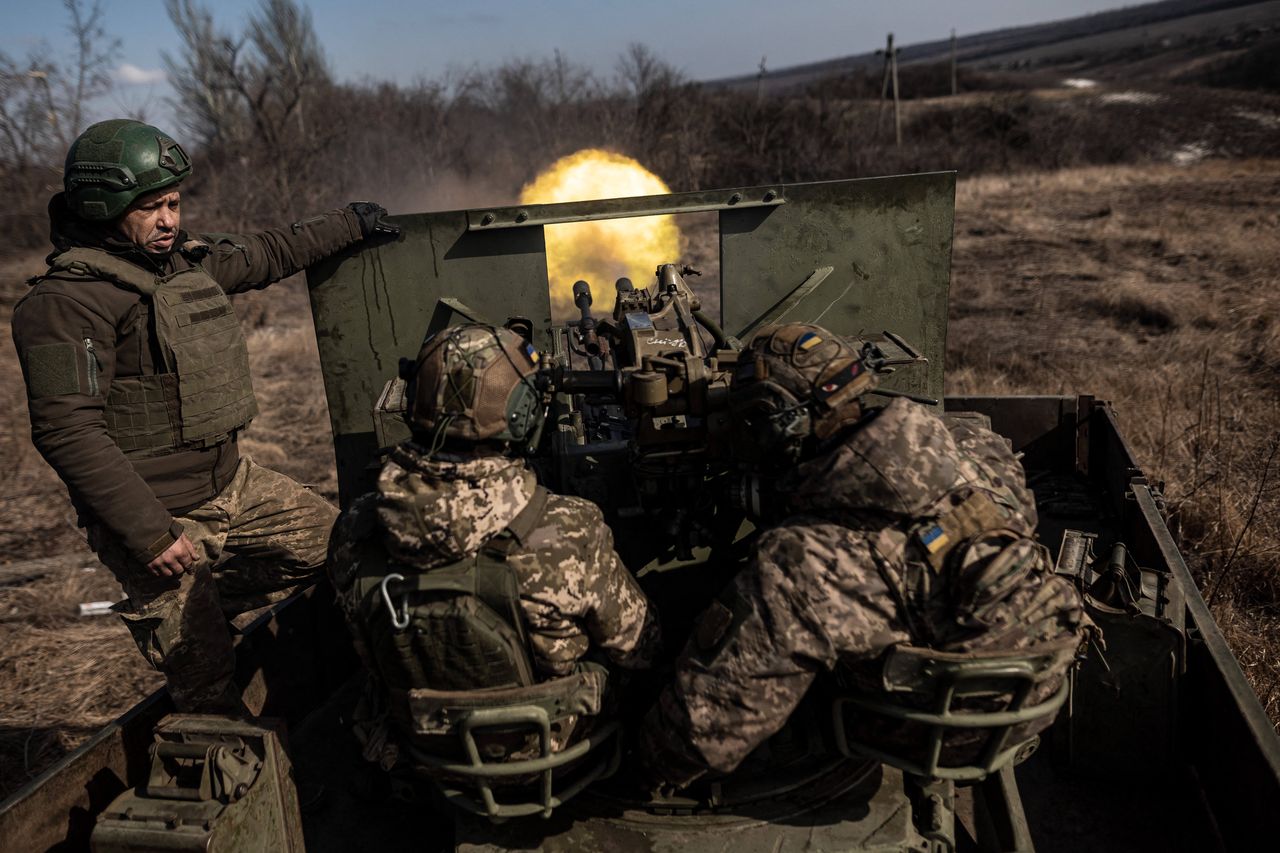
(954, 88)
(890, 74)
(760, 79)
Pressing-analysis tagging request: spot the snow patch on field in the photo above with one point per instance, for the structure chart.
(1193, 152)
(1269, 120)
(1079, 83)
(1131, 97)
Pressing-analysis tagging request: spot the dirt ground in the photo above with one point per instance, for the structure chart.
(1153, 287)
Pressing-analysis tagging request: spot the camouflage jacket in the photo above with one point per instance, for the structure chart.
(841, 579)
(575, 593)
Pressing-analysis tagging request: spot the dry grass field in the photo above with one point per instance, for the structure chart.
(1154, 287)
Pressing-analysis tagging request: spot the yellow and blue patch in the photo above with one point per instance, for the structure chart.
(532, 353)
(808, 341)
(934, 539)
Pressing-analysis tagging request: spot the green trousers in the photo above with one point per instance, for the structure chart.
(263, 538)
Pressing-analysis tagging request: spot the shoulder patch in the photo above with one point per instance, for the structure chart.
(52, 370)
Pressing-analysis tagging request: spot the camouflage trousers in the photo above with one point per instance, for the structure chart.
(262, 538)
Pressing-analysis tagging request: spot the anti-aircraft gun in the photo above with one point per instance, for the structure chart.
(640, 416)
(1162, 745)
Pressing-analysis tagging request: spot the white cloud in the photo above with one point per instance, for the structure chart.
(132, 75)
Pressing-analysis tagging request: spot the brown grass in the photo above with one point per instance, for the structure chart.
(1153, 288)
(64, 676)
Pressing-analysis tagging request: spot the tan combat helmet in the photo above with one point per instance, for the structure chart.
(795, 381)
(474, 383)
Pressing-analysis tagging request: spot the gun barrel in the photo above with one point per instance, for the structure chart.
(582, 297)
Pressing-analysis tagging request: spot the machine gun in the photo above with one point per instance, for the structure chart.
(639, 417)
(638, 414)
(639, 410)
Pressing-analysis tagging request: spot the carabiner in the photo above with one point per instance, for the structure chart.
(399, 621)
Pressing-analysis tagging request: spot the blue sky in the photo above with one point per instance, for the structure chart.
(402, 40)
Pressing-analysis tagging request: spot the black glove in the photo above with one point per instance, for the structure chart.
(371, 222)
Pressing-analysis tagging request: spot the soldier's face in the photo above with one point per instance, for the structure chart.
(151, 222)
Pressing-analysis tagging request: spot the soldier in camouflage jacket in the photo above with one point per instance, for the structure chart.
(442, 497)
(433, 510)
(846, 572)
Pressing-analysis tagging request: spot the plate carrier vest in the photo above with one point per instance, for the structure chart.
(205, 393)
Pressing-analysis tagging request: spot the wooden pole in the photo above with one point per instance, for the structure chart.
(884, 82)
(760, 80)
(897, 113)
(954, 88)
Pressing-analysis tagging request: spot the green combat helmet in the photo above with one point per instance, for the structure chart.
(473, 383)
(114, 162)
(795, 382)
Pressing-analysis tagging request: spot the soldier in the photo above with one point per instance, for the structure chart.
(460, 572)
(138, 385)
(896, 527)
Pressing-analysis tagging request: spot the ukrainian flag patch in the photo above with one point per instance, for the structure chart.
(532, 353)
(934, 539)
(808, 341)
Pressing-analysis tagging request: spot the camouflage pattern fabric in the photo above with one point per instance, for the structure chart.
(430, 511)
(274, 534)
(575, 593)
(842, 579)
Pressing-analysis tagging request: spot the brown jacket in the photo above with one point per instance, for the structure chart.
(137, 499)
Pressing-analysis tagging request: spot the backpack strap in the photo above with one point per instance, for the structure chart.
(519, 528)
(496, 582)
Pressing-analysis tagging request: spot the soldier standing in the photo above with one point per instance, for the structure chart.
(138, 385)
(462, 573)
(896, 527)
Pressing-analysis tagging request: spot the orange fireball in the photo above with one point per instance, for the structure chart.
(601, 252)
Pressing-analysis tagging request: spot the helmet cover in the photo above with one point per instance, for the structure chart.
(474, 383)
(794, 382)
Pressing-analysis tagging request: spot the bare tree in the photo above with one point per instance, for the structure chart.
(668, 117)
(42, 109)
(641, 72)
(255, 101)
(90, 75)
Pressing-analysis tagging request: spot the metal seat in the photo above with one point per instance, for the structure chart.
(944, 698)
(474, 721)
(944, 718)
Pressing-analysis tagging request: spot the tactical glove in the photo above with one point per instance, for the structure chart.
(371, 222)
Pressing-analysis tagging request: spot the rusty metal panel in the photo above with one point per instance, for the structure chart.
(374, 306)
(889, 243)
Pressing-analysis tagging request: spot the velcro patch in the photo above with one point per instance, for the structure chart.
(52, 370)
(712, 626)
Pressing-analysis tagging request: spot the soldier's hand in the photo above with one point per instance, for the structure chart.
(174, 560)
(371, 219)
